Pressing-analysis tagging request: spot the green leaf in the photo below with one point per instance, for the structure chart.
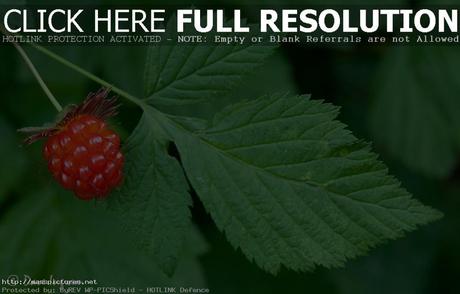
(177, 75)
(154, 201)
(414, 113)
(275, 75)
(289, 185)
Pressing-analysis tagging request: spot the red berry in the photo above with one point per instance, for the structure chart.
(83, 155)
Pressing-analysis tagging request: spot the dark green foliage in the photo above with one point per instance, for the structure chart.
(280, 175)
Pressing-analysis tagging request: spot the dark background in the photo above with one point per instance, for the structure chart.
(403, 99)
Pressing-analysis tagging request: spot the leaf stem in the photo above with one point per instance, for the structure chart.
(35, 72)
(40, 81)
(89, 75)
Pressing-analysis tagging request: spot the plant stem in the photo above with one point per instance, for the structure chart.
(40, 81)
(35, 72)
(72, 66)
(89, 75)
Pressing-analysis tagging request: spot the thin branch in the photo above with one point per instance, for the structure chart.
(89, 75)
(35, 72)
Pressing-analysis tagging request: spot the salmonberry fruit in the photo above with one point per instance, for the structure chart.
(83, 154)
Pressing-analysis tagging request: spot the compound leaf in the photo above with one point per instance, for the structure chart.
(290, 186)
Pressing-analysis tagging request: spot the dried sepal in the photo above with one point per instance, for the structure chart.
(96, 104)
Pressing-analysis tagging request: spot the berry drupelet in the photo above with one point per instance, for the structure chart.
(83, 154)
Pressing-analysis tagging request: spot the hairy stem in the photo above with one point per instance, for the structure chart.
(89, 75)
(74, 67)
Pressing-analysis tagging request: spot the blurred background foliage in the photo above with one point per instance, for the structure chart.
(404, 99)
